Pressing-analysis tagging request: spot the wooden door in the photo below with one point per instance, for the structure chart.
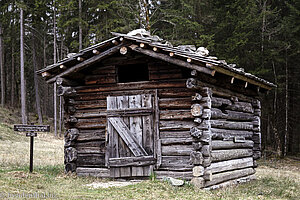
(130, 135)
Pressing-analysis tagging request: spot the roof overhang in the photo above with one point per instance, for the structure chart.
(173, 55)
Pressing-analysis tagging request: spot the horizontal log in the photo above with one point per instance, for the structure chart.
(100, 79)
(218, 102)
(90, 160)
(95, 172)
(129, 112)
(232, 182)
(164, 76)
(185, 175)
(231, 115)
(222, 155)
(172, 60)
(174, 93)
(231, 125)
(104, 70)
(231, 165)
(234, 106)
(219, 91)
(174, 134)
(176, 150)
(224, 134)
(220, 144)
(91, 147)
(91, 123)
(165, 70)
(175, 114)
(90, 113)
(132, 161)
(179, 103)
(90, 104)
(230, 175)
(180, 83)
(168, 141)
(176, 162)
(175, 125)
(86, 135)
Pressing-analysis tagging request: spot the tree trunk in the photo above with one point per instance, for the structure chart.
(2, 68)
(285, 143)
(36, 84)
(12, 94)
(23, 88)
(80, 25)
(54, 61)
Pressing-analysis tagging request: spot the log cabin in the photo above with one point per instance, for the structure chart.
(136, 106)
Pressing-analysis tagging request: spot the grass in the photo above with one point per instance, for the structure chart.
(277, 179)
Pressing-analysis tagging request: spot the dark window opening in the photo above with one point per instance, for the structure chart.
(133, 73)
(186, 73)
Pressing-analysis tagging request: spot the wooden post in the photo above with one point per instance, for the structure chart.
(60, 116)
(55, 111)
(31, 154)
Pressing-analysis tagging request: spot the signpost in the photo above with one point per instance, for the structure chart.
(31, 132)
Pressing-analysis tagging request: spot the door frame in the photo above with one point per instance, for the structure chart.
(156, 139)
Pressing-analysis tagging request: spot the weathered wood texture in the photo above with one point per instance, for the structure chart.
(232, 182)
(220, 144)
(220, 155)
(231, 165)
(185, 175)
(95, 172)
(230, 175)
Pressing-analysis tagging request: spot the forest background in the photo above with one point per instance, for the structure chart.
(261, 36)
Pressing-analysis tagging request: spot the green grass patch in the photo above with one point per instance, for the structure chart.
(51, 179)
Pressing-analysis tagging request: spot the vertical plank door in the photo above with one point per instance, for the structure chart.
(130, 134)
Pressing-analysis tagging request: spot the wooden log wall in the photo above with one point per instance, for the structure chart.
(86, 113)
(256, 134)
(234, 128)
(201, 156)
